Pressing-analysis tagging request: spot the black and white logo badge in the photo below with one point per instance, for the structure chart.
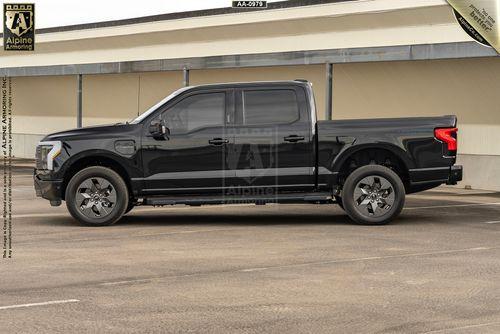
(19, 27)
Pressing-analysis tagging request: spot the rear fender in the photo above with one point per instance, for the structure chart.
(344, 155)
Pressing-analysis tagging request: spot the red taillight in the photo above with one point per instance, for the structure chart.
(448, 136)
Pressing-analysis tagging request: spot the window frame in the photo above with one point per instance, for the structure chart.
(237, 119)
(171, 104)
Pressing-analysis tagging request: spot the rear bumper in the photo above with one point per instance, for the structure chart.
(427, 178)
(456, 174)
(48, 189)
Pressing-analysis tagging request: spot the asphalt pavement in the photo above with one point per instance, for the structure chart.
(255, 269)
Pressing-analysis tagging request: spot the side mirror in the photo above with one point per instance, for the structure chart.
(159, 130)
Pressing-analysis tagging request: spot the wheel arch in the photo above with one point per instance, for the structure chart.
(96, 158)
(384, 154)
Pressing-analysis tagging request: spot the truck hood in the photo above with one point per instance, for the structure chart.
(92, 132)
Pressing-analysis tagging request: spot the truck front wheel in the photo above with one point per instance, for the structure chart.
(373, 195)
(97, 196)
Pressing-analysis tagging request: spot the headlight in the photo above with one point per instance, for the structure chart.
(46, 152)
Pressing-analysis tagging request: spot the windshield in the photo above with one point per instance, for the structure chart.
(148, 112)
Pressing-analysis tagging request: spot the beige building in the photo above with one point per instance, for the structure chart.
(366, 59)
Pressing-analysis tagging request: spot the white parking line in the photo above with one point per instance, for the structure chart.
(146, 280)
(451, 206)
(299, 265)
(128, 236)
(142, 210)
(463, 327)
(35, 215)
(369, 258)
(143, 235)
(493, 222)
(52, 302)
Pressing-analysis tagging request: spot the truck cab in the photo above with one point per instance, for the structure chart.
(235, 138)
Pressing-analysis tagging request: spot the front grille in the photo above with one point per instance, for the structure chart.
(38, 157)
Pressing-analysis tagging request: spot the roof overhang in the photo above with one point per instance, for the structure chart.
(363, 30)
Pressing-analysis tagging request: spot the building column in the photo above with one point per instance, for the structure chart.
(185, 76)
(329, 91)
(79, 112)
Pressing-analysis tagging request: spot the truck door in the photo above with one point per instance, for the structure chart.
(273, 144)
(193, 157)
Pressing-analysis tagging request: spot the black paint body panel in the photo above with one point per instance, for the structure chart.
(410, 139)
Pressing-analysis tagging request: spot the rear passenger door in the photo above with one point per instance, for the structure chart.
(273, 144)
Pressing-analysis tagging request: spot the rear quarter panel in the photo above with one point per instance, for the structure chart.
(411, 139)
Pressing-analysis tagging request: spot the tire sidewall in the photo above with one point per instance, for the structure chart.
(373, 170)
(109, 175)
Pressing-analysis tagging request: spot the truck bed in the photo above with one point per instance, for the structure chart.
(410, 139)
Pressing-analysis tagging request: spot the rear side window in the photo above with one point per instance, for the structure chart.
(195, 112)
(269, 106)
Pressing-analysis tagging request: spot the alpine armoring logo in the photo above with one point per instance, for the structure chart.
(19, 27)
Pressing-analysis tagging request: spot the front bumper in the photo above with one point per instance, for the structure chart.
(48, 189)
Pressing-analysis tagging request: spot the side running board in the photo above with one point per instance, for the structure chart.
(228, 199)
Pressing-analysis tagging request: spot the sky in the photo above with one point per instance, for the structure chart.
(54, 13)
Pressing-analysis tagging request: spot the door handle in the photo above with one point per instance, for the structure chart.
(218, 141)
(294, 138)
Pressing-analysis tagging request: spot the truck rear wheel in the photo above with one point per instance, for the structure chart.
(373, 195)
(97, 196)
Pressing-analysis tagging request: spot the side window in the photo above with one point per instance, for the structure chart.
(196, 111)
(269, 106)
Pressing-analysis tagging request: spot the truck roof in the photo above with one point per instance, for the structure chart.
(249, 83)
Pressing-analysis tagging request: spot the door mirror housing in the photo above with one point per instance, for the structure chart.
(159, 130)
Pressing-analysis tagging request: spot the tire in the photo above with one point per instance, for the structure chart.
(373, 195)
(97, 196)
(338, 200)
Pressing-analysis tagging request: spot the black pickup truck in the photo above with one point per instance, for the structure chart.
(256, 142)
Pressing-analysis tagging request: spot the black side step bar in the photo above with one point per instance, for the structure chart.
(323, 197)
